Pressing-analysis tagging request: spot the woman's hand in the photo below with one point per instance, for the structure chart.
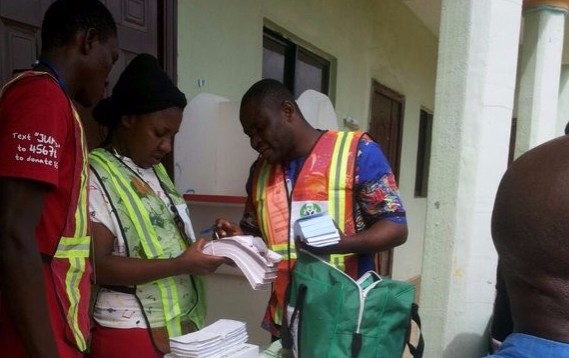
(198, 263)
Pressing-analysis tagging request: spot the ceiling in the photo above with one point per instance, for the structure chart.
(429, 12)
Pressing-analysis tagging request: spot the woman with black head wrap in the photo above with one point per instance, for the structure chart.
(145, 253)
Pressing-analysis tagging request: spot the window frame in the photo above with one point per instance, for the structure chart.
(423, 153)
(294, 52)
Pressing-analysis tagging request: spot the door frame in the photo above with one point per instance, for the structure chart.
(384, 259)
(167, 37)
(167, 50)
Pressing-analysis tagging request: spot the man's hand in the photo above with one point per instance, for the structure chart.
(382, 235)
(225, 228)
(323, 250)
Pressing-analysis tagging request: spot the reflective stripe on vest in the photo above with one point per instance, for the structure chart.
(76, 251)
(76, 248)
(338, 208)
(148, 238)
(260, 185)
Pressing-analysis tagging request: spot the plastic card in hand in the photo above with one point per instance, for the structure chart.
(317, 230)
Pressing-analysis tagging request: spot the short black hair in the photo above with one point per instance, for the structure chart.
(64, 18)
(268, 92)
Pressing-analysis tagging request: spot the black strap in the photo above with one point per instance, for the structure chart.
(286, 335)
(416, 351)
(300, 298)
(356, 344)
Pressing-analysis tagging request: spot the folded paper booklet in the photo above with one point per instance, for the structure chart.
(317, 230)
(257, 263)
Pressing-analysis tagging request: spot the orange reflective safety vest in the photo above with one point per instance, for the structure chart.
(69, 262)
(324, 183)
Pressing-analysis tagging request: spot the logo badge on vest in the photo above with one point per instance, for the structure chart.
(309, 209)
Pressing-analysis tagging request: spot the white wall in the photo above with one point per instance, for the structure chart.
(563, 107)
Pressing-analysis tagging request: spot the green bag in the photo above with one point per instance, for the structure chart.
(331, 315)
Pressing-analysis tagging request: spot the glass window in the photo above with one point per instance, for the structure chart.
(273, 59)
(423, 154)
(296, 67)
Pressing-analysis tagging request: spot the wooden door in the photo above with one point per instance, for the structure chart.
(137, 22)
(20, 22)
(386, 127)
(138, 29)
(386, 124)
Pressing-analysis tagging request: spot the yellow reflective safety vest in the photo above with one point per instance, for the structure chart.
(150, 231)
(69, 262)
(324, 183)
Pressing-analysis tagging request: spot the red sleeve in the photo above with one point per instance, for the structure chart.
(35, 122)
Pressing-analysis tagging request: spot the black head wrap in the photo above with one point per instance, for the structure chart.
(143, 87)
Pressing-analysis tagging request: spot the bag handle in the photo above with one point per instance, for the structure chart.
(416, 351)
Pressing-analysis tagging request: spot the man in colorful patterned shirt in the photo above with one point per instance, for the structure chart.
(301, 171)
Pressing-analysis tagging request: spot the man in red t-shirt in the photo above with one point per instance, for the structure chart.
(44, 235)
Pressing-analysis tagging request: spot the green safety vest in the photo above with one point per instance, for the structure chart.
(150, 232)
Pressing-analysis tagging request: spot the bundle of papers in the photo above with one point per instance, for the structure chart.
(252, 257)
(219, 339)
(317, 230)
(244, 350)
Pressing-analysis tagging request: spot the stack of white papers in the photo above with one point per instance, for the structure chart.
(216, 340)
(317, 230)
(252, 257)
(244, 350)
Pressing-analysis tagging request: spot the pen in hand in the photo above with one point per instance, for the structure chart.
(211, 229)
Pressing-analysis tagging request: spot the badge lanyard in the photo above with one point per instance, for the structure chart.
(54, 71)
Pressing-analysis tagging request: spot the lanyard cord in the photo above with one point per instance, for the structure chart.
(178, 221)
(54, 71)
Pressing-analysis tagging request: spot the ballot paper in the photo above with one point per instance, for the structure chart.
(250, 254)
(317, 230)
(223, 338)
